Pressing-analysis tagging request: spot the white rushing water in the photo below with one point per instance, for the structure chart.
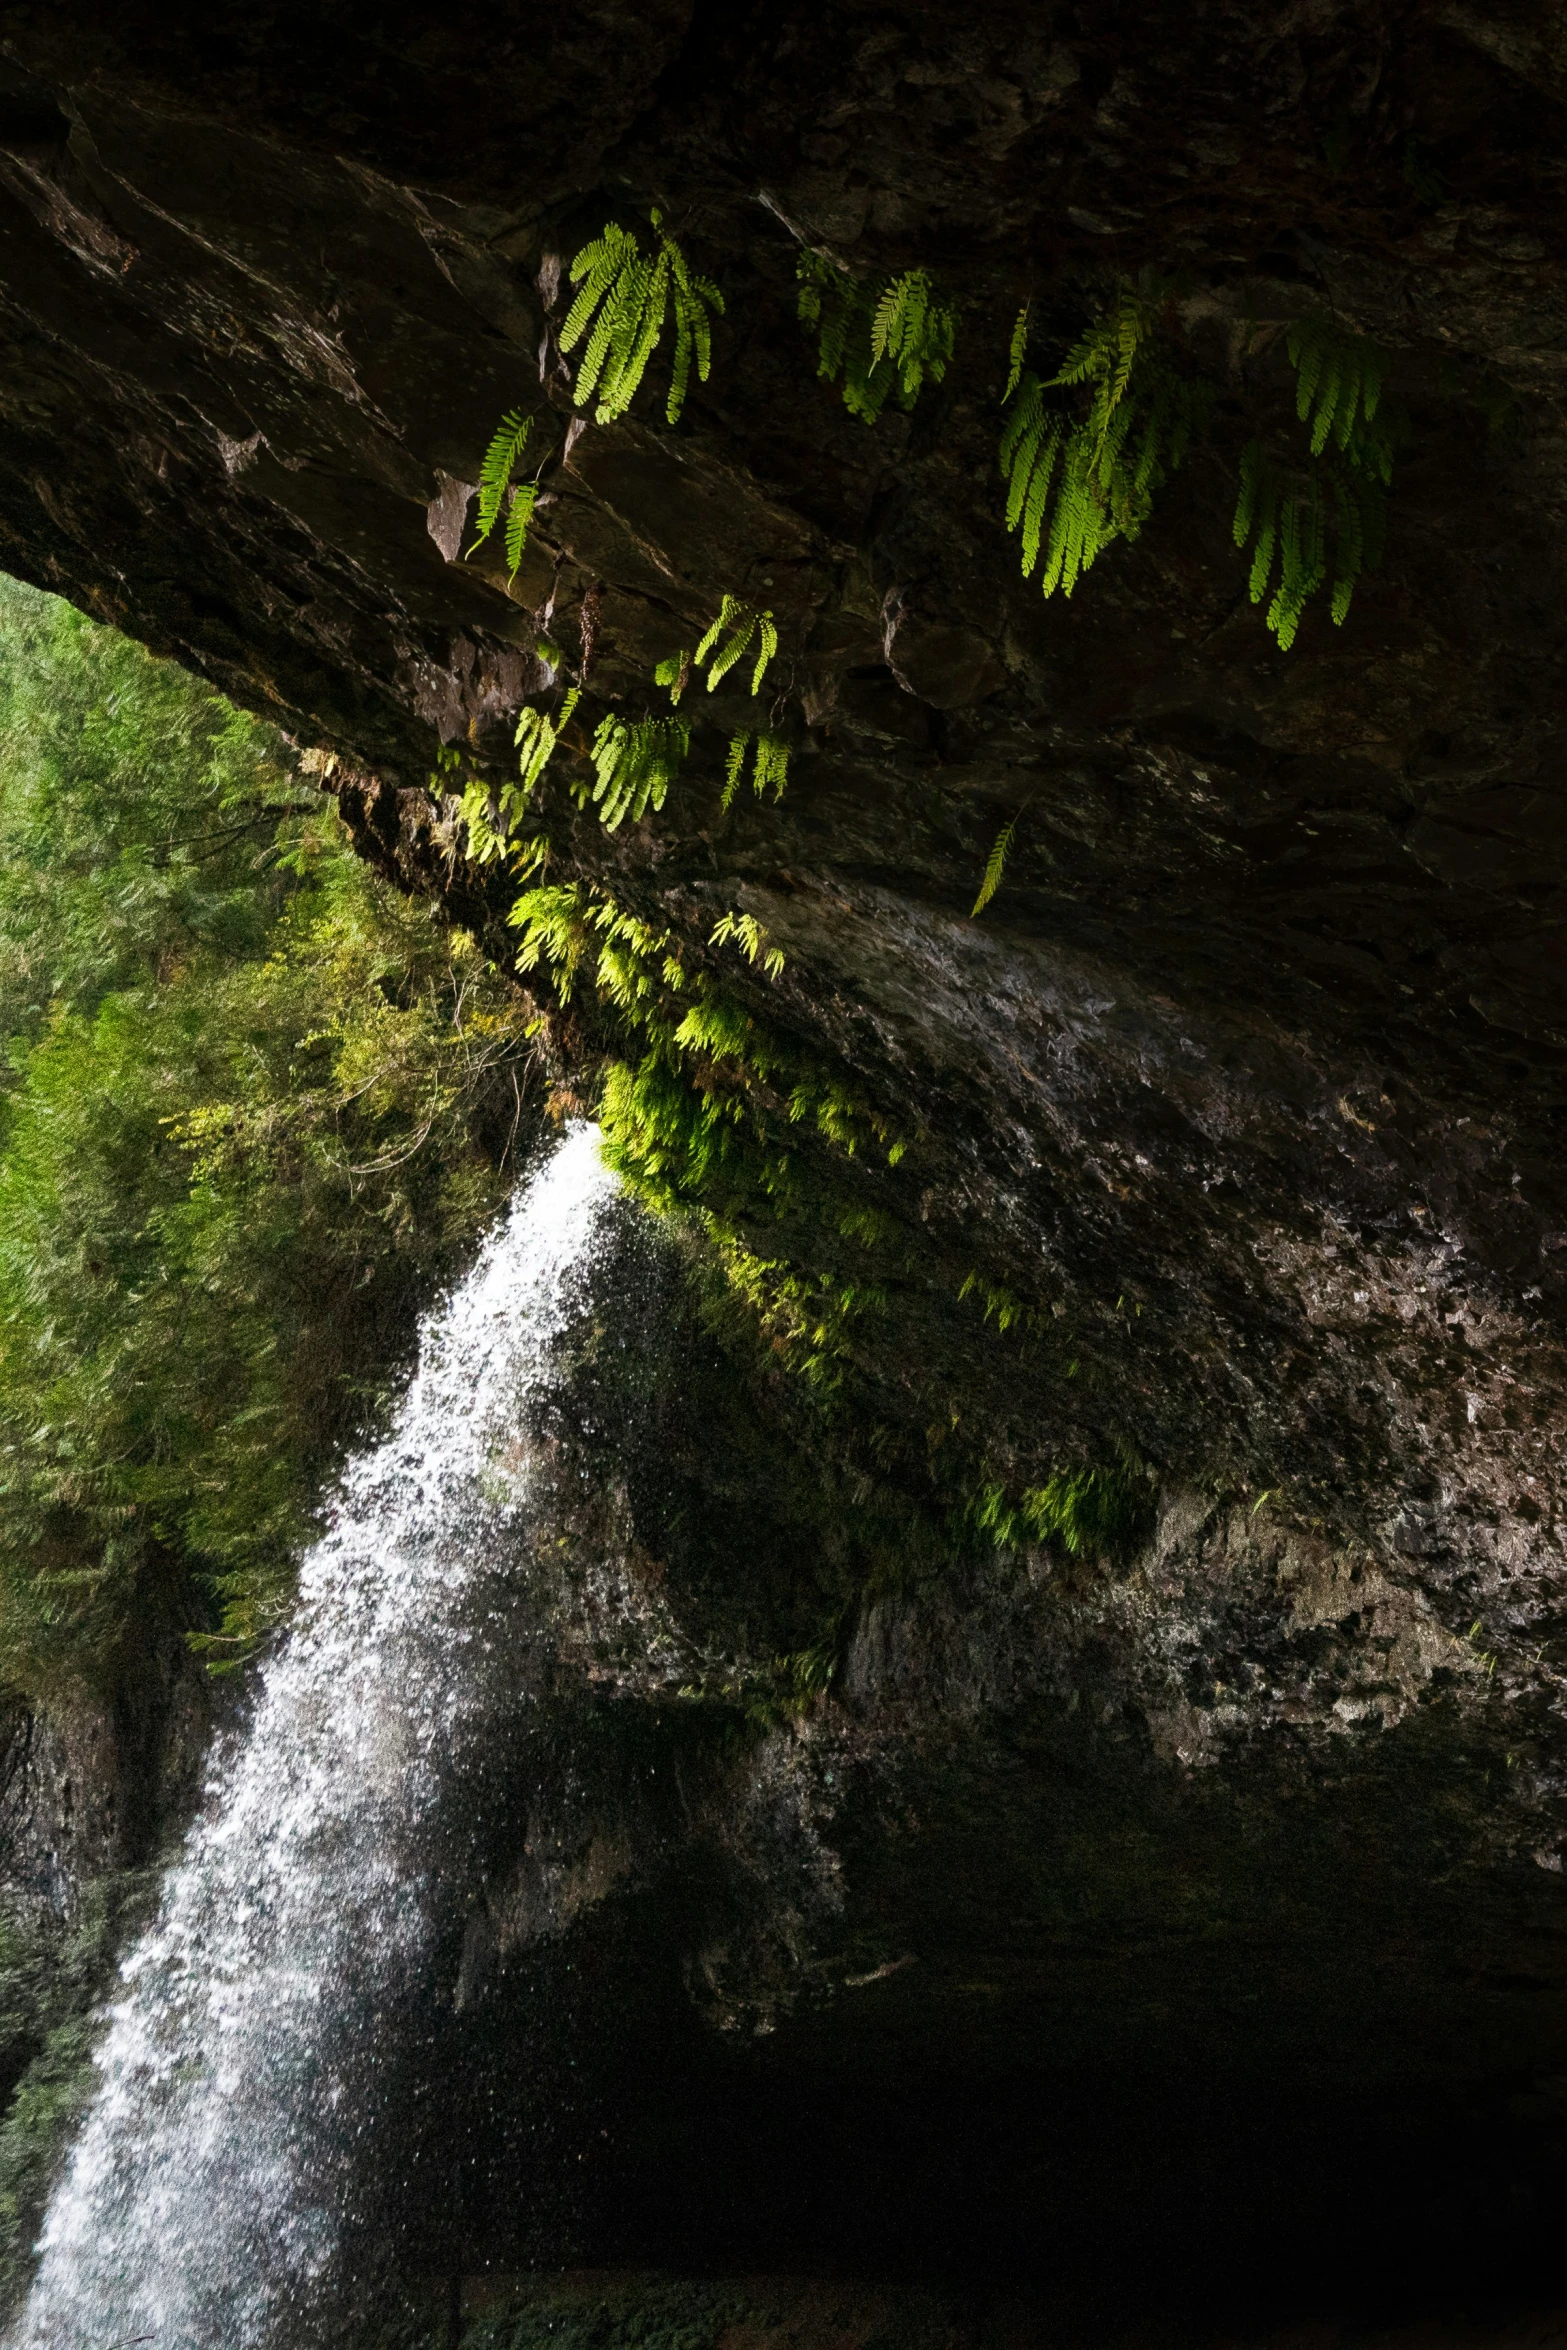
(205, 2196)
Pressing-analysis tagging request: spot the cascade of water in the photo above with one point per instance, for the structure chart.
(204, 2198)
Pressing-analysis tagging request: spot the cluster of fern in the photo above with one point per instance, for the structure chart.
(1324, 516)
(1080, 477)
(626, 298)
(1085, 451)
(883, 344)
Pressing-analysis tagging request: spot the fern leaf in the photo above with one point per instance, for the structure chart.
(1306, 353)
(769, 647)
(1016, 353)
(995, 866)
(597, 267)
(772, 765)
(885, 317)
(730, 651)
(624, 304)
(495, 473)
(734, 768)
(1033, 508)
(1017, 463)
(517, 522)
(680, 372)
(1024, 429)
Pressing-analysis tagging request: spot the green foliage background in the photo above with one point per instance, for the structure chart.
(254, 1105)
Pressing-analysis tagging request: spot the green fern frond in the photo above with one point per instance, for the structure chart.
(536, 738)
(883, 344)
(729, 639)
(1078, 480)
(675, 673)
(1017, 351)
(634, 296)
(1338, 391)
(491, 812)
(749, 935)
(734, 768)
(501, 460)
(914, 330)
(772, 765)
(634, 764)
(1326, 516)
(770, 768)
(995, 866)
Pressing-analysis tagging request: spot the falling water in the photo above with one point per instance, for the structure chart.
(205, 2197)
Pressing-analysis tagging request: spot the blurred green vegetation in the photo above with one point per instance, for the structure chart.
(254, 1106)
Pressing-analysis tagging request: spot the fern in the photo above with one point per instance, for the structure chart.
(491, 814)
(1017, 351)
(635, 764)
(883, 344)
(1338, 390)
(634, 295)
(995, 866)
(1076, 481)
(536, 738)
(1291, 517)
(752, 939)
(1326, 517)
(501, 460)
(770, 767)
(729, 639)
(914, 330)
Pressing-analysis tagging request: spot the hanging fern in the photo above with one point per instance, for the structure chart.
(635, 294)
(634, 765)
(1326, 516)
(1338, 390)
(536, 738)
(1291, 517)
(770, 769)
(995, 866)
(914, 330)
(884, 344)
(747, 933)
(492, 813)
(730, 638)
(1017, 352)
(501, 460)
(1077, 481)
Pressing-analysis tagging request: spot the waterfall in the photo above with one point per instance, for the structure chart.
(205, 2199)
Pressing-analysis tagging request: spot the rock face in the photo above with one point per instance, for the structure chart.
(1240, 1103)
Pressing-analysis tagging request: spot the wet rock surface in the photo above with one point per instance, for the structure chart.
(1248, 1085)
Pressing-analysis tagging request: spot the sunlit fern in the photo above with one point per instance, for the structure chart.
(770, 767)
(635, 294)
(1077, 480)
(995, 866)
(883, 343)
(634, 764)
(730, 639)
(747, 933)
(492, 812)
(497, 485)
(739, 625)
